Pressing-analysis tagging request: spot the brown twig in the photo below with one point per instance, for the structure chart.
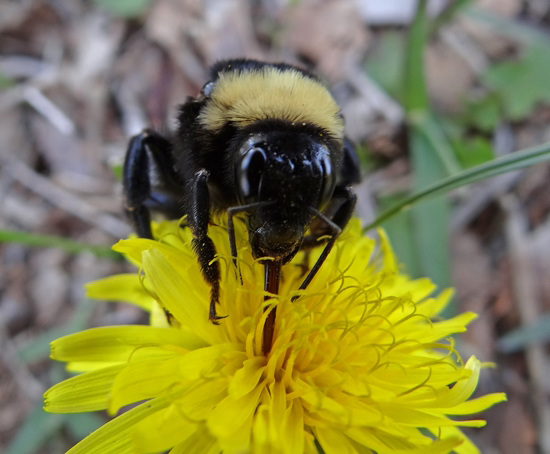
(59, 197)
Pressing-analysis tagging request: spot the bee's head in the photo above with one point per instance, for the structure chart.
(282, 175)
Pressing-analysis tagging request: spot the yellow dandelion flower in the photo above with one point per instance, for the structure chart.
(360, 363)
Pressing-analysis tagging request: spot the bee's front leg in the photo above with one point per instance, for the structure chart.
(198, 218)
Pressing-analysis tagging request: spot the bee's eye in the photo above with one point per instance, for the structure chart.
(249, 174)
(207, 88)
(329, 181)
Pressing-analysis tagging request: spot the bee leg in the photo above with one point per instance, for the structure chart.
(137, 187)
(350, 172)
(198, 217)
(344, 212)
(147, 150)
(334, 227)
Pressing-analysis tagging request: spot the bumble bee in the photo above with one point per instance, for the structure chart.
(263, 140)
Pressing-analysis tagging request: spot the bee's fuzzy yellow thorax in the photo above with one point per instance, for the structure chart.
(242, 98)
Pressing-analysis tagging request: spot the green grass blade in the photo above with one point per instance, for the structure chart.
(430, 219)
(425, 124)
(432, 159)
(70, 246)
(508, 163)
(516, 30)
(39, 347)
(400, 230)
(523, 336)
(417, 104)
(416, 96)
(37, 429)
(40, 427)
(448, 14)
(83, 424)
(124, 8)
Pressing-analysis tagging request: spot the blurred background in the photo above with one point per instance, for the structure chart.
(78, 78)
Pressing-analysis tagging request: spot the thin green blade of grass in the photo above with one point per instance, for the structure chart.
(513, 161)
(386, 63)
(448, 14)
(83, 424)
(124, 8)
(70, 246)
(38, 428)
(432, 158)
(523, 336)
(401, 232)
(417, 105)
(430, 219)
(416, 95)
(516, 30)
(39, 347)
(433, 137)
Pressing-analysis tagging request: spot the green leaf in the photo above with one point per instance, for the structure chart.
(522, 84)
(70, 246)
(514, 29)
(124, 8)
(40, 427)
(430, 218)
(367, 160)
(39, 347)
(37, 429)
(83, 424)
(432, 158)
(425, 124)
(416, 95)
(484, 113)
(448, 14)
(520, 338)
(5, 81)
(118, 170)
(471, 148)
(401, 232)
(385, 63)
(508, 163)
(473, 151)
